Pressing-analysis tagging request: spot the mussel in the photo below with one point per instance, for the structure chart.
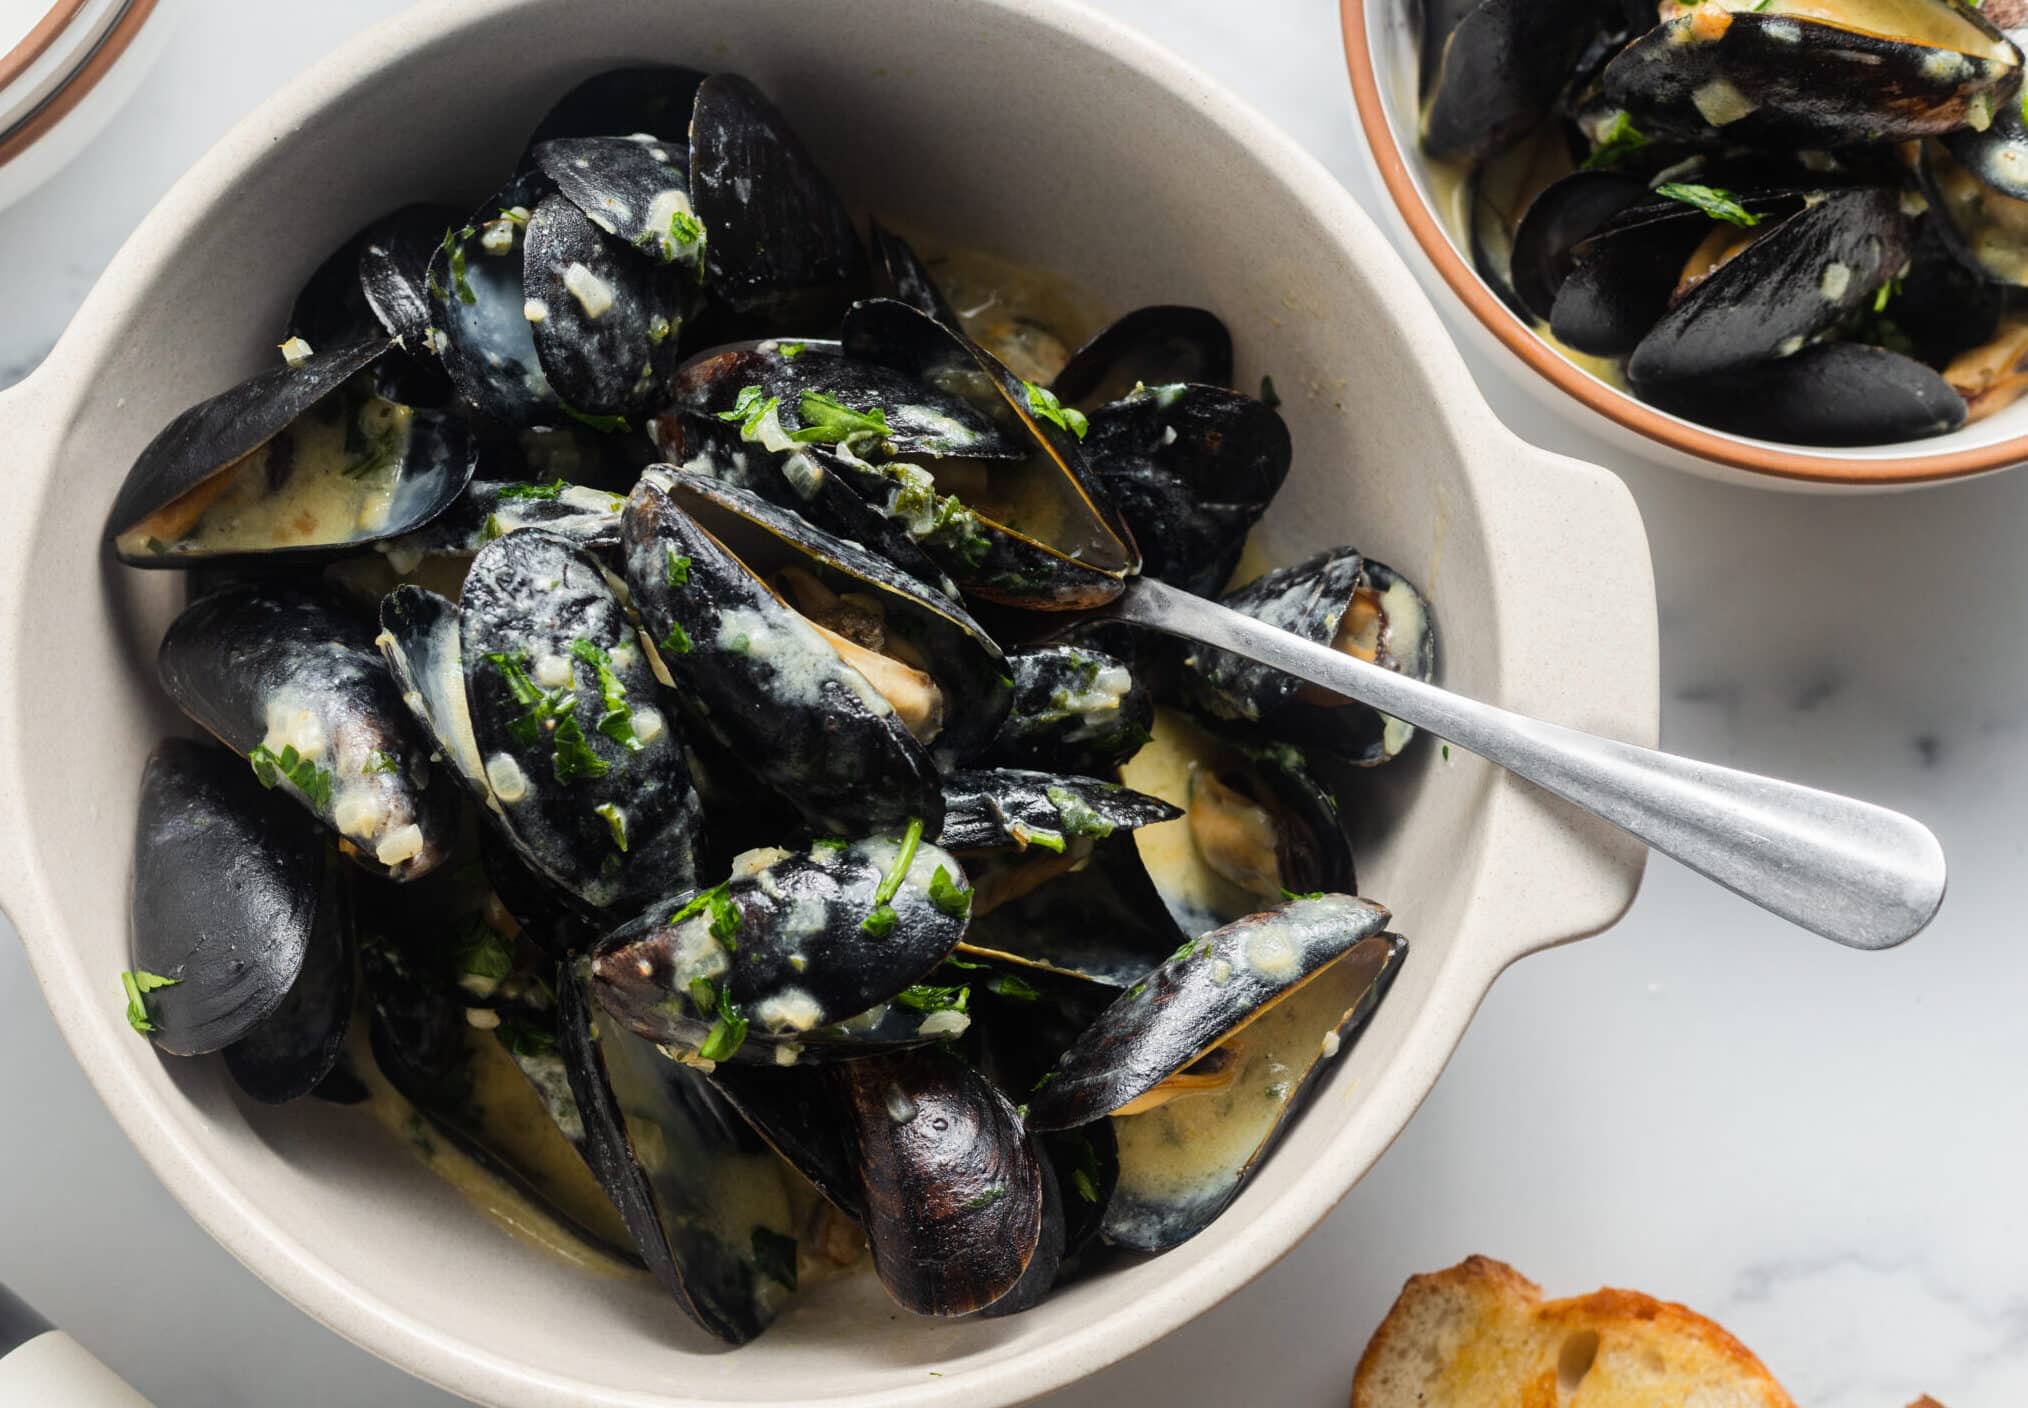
(1492, 70)
(1075, 710)
(1161, 345)
(290, 680)
(993, 809)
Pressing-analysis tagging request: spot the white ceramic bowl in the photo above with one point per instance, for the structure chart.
(1027, 125)
(1380, 55)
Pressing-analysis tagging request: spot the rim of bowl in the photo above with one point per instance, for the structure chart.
(1617, 406)
(98, 61)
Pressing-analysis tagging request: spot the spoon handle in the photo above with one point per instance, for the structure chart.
(1846, 869)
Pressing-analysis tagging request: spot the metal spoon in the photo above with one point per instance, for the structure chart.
(1846, 869)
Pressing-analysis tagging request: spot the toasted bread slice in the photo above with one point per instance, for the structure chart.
(1480, 1336)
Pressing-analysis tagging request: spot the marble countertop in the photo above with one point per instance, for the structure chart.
(1822, 1149)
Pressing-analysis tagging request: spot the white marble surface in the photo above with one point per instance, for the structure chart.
(1824, 1149)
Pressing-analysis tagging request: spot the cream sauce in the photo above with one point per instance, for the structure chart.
(1164, 768)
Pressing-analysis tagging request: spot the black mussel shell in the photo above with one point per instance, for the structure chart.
(479, 309)
(1257, 822)
(585, 771)
(492, 508)
(950, 1183)
(1154, 346)
(1789, 286)
(292, 680)
(799, 1113)
(1567, 212)
(1309, 598)
(1084, 554)
(778, 241)
(1624, 277)
(244, 445)
(633, 188)
(419, 640)
(1835, 393)
(1173, 1183)
(730, 1281)
(1085, 913)
(1943, 306)
(998, 809)
(806, 384)
(1775, 79)
(1498, 193)
(765, 682)
(292, 1052)
(607, 324)
(1196, 999)
(1039, 1277)
(1498, 73)
(377, 281)
(1075, 710)
(1191, 469)
(901, 274)
(1998, 154)
(813, 481)
(1983, 224)
(228, 898)
(652, 98)
(1086, 1161)
(793, 946)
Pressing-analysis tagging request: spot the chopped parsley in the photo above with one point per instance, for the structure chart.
(704, 993)
(605, 425)
(774, 1256)
(984, 1200)
(288, 765)
(454, 257)
(725, 915)
(522, 1036)
(138, 981)
(1447, 752)
(677, 574)
(1043, 402)
(1289, 894)
(517, 215)
(751, 408)
(829, 843)
(677, 642)
(1078, 817)
(880, 923)
(574, 758)
(1718, 204)
(617, 722)
(687, 229)
(1045, 1079)
(485, 957)
(728, 1032)
(492, 529)
(792, 350)
(1086, 1187)
(379, 763)
(553, 489)
(544, 706)
(924, 997)
(1268, 395)
(1620, 140)
(1086, 1175)
(1041, 836)
(616, 822)
(1009, 986)
(827, 422)
(949, 896)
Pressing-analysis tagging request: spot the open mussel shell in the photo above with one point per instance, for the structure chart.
(493, 508)
(1789, 74)
(799, 1113)
(813, 481)
(419, 640)
(1311, 599)
(702, 560)
(1182, 1163)
(479, 323)
(900, 273)
(299, 1044)
(1073, 550)
(1985, 225)
(379, 276)
(1784, 289)
(1075, 710)
(1194, 1000)
(1154, 346)
(1191, 469)
(292, 681)
(1626, 274)
(653, 98)
(949, 1182)
(1089, 912)
(996, 809)
(708, 1210)
(306, 461)
(1554, 223)
(778, 241)
(1834, 393)
(634, 188)
(1496, 70)
(586, 772)
(1257, 822)
(795, 945)
(604, 319)
(795, 379)
(228, 897)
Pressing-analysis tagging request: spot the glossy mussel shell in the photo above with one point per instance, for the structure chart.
(991, 809)
(1075, 710)
(1491, 71)
(790, 941)
(290, 670)
(1158, 345)
(1833, 393)
(299, 461)
(1782, 75)
(1197, 998)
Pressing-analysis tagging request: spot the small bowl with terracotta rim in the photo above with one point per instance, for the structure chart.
(1380, 53)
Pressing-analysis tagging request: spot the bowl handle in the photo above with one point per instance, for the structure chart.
(1579, 596)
